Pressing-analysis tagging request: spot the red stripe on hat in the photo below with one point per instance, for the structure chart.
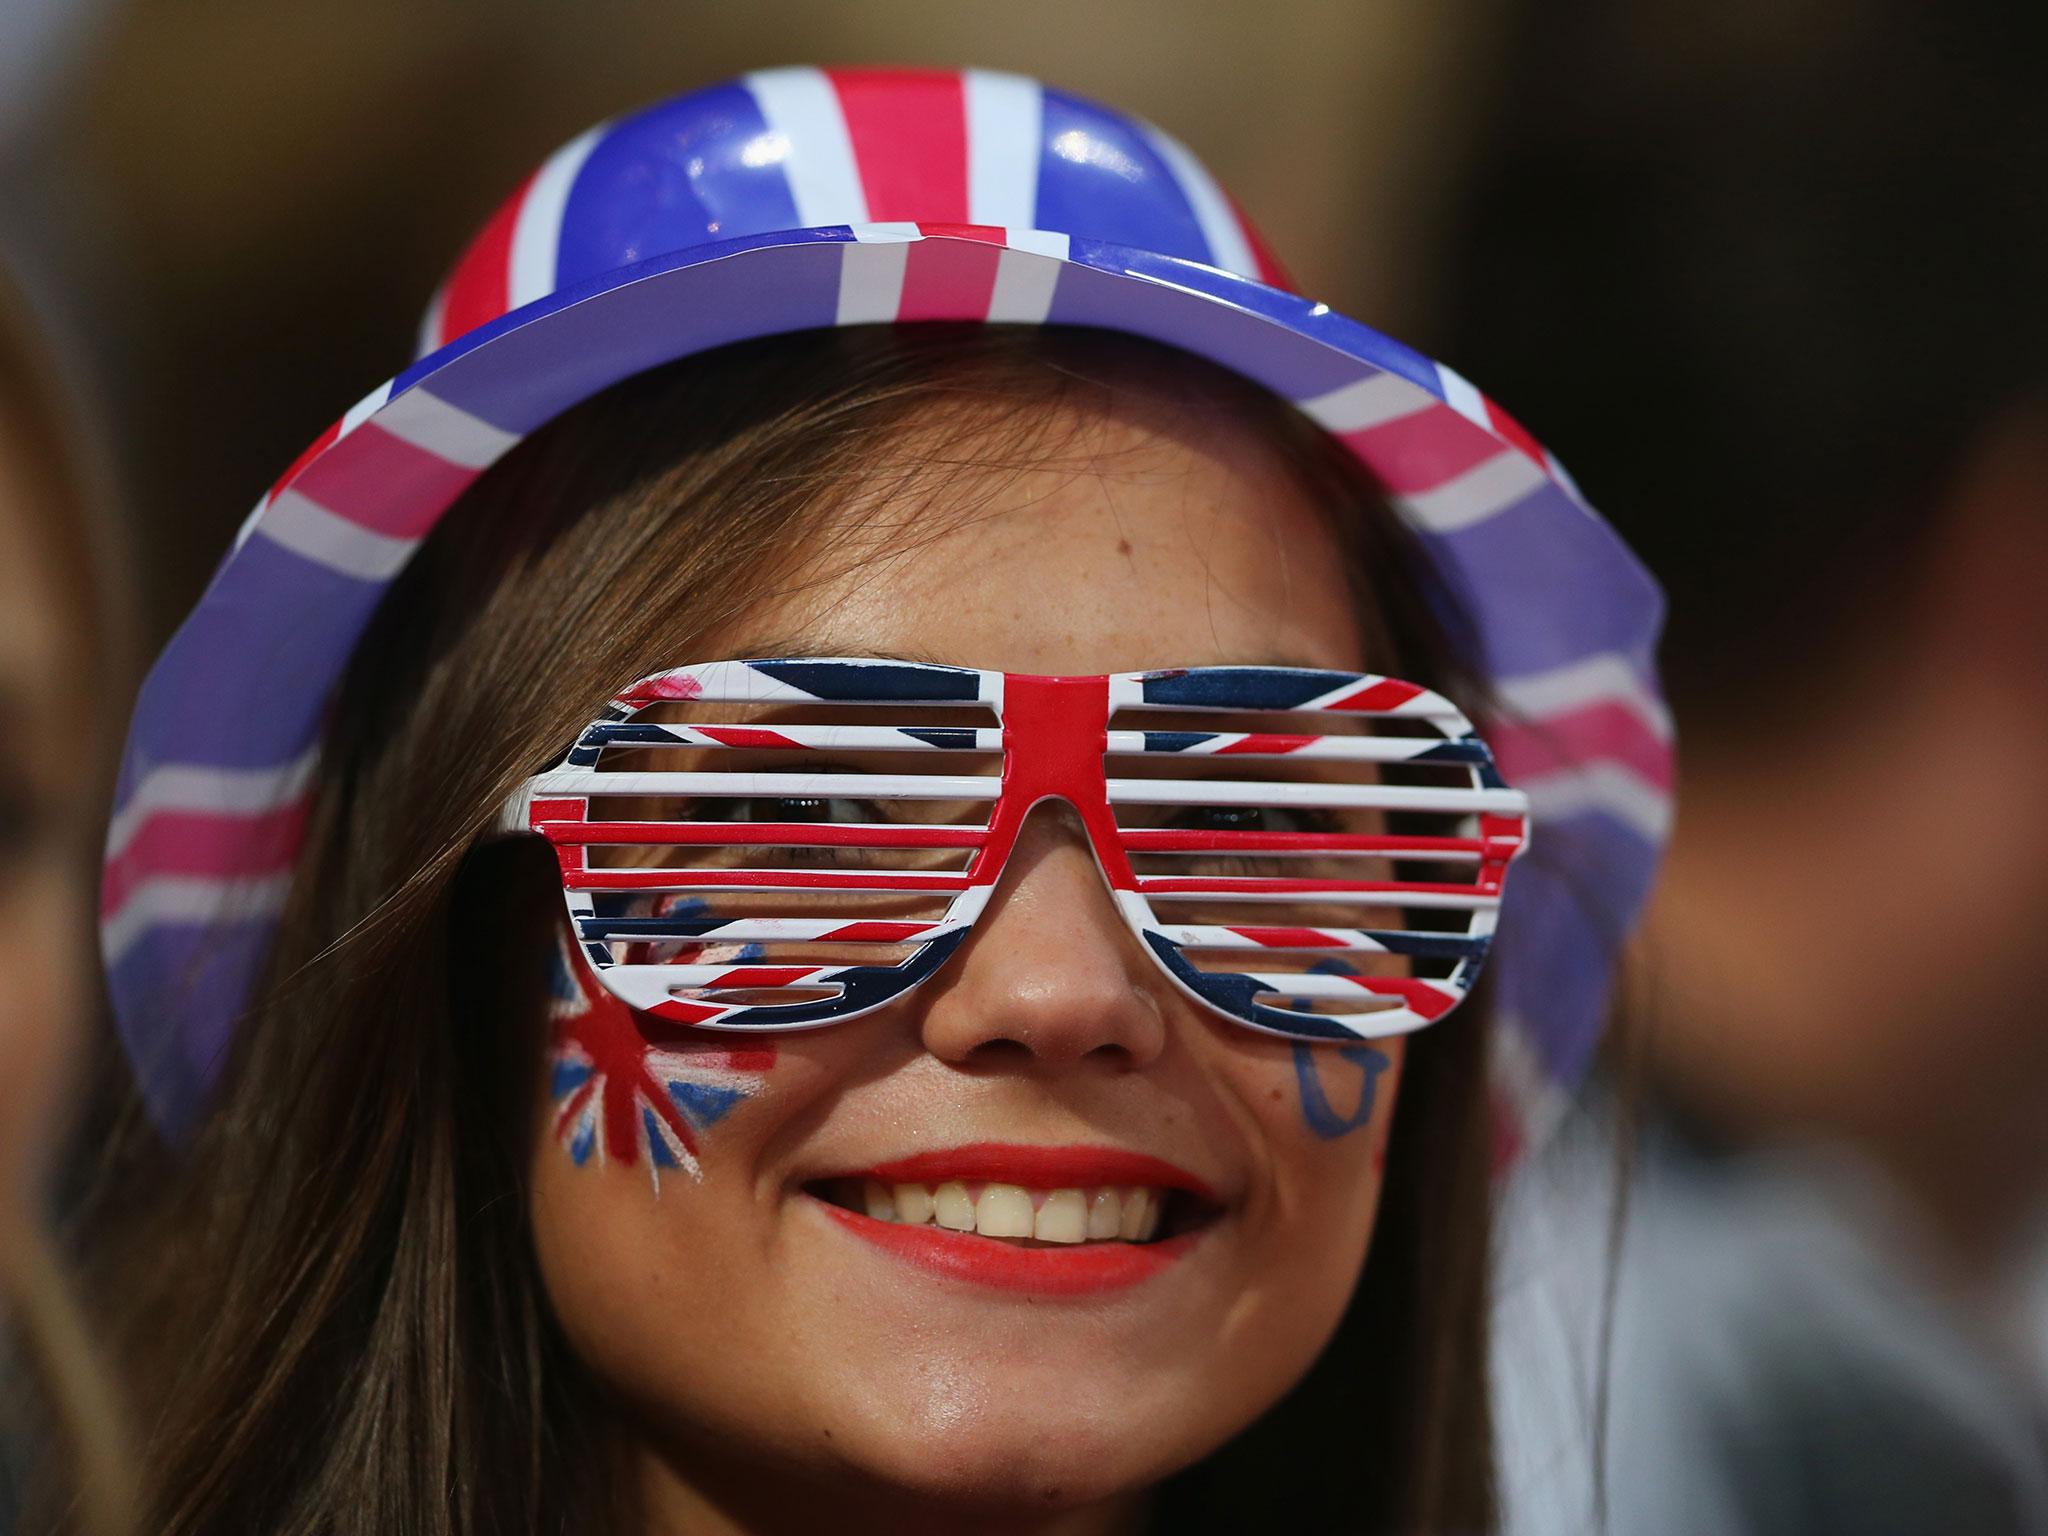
(314, 449)
(212, 845)
(1270, 270)
(909, 133)
(384, 483)
(1600, 732)
(478, 288)
(1419, 452)
(948, 280)
(1514, 432)
(988, 234)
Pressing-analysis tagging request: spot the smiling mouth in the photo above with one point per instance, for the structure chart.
(1024, 1216)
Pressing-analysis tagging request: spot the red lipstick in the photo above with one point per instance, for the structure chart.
(1081, 1270)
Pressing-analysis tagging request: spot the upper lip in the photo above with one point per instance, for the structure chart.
(1040, 1167)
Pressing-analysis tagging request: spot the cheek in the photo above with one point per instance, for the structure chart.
(1321, 1115)
(642, 1188)
(1324, 1115)
(622, 1090)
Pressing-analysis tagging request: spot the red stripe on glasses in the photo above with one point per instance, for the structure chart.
(745, 879)
(1180, 840)
(1214, 884)
(1420, 996)
(711, 833)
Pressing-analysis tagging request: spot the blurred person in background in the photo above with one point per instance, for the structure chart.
(63, 629)
(1771, 277)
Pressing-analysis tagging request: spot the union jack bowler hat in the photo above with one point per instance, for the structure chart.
(797, 199)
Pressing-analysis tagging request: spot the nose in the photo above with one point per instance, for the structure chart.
(1049, 976)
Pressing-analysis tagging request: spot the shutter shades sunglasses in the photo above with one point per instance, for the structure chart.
(781, 844)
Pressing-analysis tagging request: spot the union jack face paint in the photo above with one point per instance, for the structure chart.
(625, 1087)
(783, 844)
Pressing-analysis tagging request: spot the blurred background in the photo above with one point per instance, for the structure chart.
(1765, 273)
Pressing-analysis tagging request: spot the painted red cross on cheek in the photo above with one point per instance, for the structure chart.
(626, 1084)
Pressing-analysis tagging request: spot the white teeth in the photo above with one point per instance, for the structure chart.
(1105, 1215)
(913, 1204)
(1004, 1210)
(953, 1207)
(1137, 1212)
(1062, 1219)
(1011, 1210)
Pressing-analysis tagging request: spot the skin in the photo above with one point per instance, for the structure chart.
(777, 1370)
(44, 898)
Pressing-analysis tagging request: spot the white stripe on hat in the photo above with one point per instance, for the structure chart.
(801, 107)
(1368, 402)
(192, 900)
(363, 410)
(1462, 396)
(447, 431)
(1027, 275)
(248, 525)
(203, 790)
(1605, 678)
(1229, 247)
(537, 231)
(1605, 786)
(871, 280)
(1490, 486)
(301, 525)
(1005, 123)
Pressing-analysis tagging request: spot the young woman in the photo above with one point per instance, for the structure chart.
(791, 882)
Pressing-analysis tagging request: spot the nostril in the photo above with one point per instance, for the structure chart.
(1001, 1052)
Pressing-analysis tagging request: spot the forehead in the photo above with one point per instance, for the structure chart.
(1120, 533)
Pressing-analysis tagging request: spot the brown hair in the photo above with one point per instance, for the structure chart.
(333, 1308)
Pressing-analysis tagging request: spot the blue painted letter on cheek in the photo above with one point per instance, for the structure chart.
(1315, 1106)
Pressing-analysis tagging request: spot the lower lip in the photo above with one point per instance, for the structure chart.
(1085, 1269)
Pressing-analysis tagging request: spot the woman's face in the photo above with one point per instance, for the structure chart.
(763, 1342)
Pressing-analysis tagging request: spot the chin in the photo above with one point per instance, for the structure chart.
(1042, 1443)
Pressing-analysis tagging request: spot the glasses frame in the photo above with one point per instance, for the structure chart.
(1053, 736)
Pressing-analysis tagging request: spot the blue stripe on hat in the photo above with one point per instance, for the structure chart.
(1080, 141)
(652, 185)
(675, 307)
(310, 618)
(1542, 545)
(1234, 333)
